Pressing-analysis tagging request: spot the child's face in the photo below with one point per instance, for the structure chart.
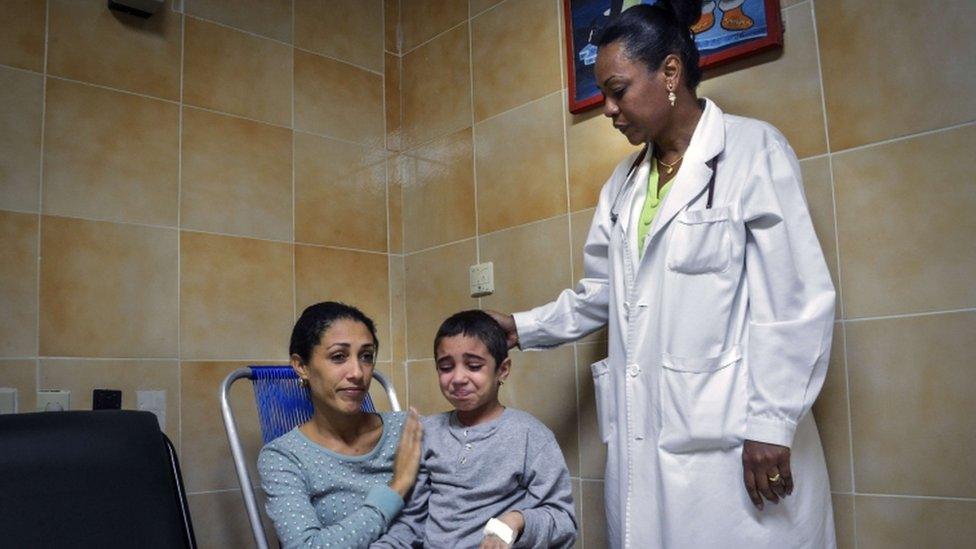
(467, 373)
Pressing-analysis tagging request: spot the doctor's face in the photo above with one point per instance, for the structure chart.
(636, 98)
(468, 375)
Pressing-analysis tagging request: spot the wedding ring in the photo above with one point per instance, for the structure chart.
(774, 479)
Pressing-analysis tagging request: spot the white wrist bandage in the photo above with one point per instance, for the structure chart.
(498, 528)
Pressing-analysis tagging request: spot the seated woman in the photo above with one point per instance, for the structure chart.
(339, 479)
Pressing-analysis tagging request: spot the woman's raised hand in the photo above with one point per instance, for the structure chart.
(508, 324)
(407, 461)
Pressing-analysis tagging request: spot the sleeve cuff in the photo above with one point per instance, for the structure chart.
(526, 327)
(388, 502)
(770, 431)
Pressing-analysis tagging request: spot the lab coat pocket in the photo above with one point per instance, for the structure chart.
(700, 242)
(703, 402)
(604, 402)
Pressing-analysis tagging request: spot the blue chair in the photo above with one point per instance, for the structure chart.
(282, 404)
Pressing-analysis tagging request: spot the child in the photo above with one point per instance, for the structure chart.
(490, 476)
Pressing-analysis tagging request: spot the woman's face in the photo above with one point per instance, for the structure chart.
(341, 366)
(636, 99)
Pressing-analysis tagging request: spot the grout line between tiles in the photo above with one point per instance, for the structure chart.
(486, 10)
(435, 37)
(909, 315)
(179, 244)
(40, 204)
(905, 137)
(909, 496)
(294, 216)
(117, 90)
(474, 149)
(28, 71)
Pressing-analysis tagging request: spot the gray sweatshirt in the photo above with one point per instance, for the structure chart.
(471, 474)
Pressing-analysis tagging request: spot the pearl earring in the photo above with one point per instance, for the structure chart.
(671, 95)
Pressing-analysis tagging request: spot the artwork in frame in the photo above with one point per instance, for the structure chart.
(728, 30)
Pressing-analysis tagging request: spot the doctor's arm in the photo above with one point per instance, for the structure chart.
(791, 314)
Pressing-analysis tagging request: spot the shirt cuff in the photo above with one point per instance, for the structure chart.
(770, 431)
(386, 500)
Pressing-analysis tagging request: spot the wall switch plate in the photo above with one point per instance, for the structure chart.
(106, 399)
(481, 278)
(155, 402)
(53, 401)
(8, 400)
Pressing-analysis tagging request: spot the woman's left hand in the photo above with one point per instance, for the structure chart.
(766, 472)
(515, 521)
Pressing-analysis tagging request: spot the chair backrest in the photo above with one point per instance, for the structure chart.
(108, 478)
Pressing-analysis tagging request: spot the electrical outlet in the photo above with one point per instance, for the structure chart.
(8, 400)
(481, 278)
(53, 401)
(155, 402)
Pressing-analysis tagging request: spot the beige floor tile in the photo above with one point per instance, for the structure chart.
(553, 374)
(885, 75)
(780, 88)
(90, 43)
(905, 227)
(110, 155)
(220, 519)
(236, 299)
(833, 419)
(340, 194)
(18, 284)
(904, 523)
(391, 98)
(820, 201)
(22, 34)
(436, 287)
(594, 518)
(521, 166)
(108, 290)
(912, 383)
(21, 375)
(593, 452)
(271, 18)
(425, 393)
(504, 76)
(359, 279)
(338, 100)
(531, 264)
(348, 30)
(21, 100)
(236, 176)
(595, 148)
(436, 88)
(421, 20)
(238, 73)
(438, 192)
(81, 377)
(844, 520)
(581, 228)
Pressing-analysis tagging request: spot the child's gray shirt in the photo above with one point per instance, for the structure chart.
(471, 474)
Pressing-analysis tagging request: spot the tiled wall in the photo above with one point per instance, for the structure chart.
(878, 102)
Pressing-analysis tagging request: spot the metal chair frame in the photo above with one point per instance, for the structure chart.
(237, 451)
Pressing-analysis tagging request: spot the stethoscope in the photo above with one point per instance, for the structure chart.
(713, 164)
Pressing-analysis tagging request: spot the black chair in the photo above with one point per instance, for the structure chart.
(105, 479)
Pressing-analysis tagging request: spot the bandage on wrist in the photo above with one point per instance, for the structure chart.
(498, 528)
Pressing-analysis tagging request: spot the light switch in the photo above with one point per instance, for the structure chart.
(155, 402)
(8, 400)
(481, 278)
(53, 400)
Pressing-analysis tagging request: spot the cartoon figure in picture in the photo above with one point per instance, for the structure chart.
(733, 18)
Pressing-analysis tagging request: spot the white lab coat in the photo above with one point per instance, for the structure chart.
(719, 333)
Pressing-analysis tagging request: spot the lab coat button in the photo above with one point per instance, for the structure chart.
(633, 370)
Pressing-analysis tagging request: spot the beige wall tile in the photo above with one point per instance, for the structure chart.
(107, 290)
(437, 287)
(593, 452)
(21, 375)
(890, 261)
(425, 393)
(21, 96)
(81, 377)
(230, 71)
(110, 155)
(580, 222)
(391, 91)
(271, 18)
(531, 264)
(398, 307)
(436, 88)
(912, 383)
(594, 148)
(438, 192)
(359, 279)
(820, 201)
(348, 30)
(505, 75)
(833, 419)
(220, 519)
(91, 43)
(553, 374)
(236, 176)
(236, 299)
(784, 90)
(18, 284)
(520, 162)
(391, 25)
(204, 453)
(394, 199)
(844, 520)
(338, 100)
(22, 34)
(903, 523)
(594, 521)
(340, 194)
(478, 6)
(421, 20)
(885, 75)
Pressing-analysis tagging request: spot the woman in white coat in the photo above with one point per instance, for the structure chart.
(703, 261)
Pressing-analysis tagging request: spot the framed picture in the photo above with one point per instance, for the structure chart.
(728, 30)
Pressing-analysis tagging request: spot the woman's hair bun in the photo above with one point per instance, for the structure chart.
(685, 12)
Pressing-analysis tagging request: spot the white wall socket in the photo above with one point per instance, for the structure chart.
(155, 402)
(53, 400)
(8, 400)
(481, 279)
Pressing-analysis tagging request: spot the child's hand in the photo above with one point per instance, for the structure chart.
(493, 542)
(407, 460)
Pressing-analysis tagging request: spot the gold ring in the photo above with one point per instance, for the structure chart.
(775, 479)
